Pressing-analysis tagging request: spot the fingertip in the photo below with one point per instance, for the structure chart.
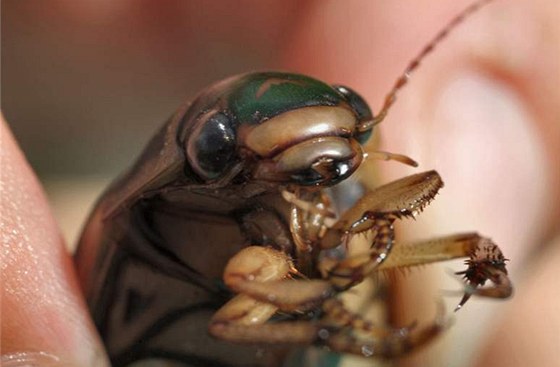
(43, 315)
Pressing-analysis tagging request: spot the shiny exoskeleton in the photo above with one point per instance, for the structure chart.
(220, 246)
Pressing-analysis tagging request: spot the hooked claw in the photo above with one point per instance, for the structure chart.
(502, 287)
(486, 263)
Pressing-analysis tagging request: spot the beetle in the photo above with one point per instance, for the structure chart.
(224, 237)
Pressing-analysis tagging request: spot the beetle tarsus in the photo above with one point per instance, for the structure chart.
(486, 262)
(386, 343)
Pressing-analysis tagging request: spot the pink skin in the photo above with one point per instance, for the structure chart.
(483, 111)
(44, 319)
(488, 124)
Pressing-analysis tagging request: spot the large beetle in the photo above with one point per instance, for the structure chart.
(220, 246)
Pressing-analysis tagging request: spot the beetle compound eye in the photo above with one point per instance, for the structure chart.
(211, 146)
(358, 104)
(360, 108)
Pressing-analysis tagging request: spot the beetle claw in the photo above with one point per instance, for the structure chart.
(466, 296)
(486, 263)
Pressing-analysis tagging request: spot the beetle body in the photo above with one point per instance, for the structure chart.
(206, 186)
(224, 227)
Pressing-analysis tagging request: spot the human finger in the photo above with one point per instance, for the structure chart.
(481, 110)
(44, 319)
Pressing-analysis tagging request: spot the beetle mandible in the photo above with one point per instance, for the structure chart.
(224, 226)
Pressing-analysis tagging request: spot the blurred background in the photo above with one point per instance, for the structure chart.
(86, 83)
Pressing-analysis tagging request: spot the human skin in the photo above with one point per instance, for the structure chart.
(513, 63)
(483, 110)
(44, 317)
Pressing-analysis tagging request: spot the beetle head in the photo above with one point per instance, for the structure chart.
(310, 146)
(282, 128)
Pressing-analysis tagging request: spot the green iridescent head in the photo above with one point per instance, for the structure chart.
(290, 128)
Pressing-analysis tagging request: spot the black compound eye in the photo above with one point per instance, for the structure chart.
(358, 104)
(211, 146)
(360, 107)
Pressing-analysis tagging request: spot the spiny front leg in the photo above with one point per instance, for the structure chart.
(375, 213)
(485, 262)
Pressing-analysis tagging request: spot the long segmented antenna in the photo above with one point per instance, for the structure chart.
(413, 65)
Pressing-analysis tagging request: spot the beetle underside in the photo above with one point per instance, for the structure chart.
(268, 281)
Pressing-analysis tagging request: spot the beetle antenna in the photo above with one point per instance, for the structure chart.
(387, 156)
(413, 65)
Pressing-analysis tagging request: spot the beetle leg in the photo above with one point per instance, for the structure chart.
(254, 263)
(374, 214)
(259, 275)
(485, 262)
(263, 274)
(297, 332)
(392, 346)
(350, 271)
(359, 336)
(402, 198)
(337, 316)
(341, 331)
